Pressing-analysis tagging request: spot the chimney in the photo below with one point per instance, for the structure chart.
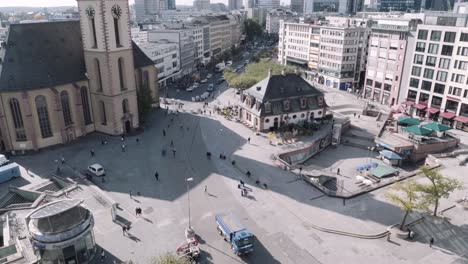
(269, 73)
(283, 72)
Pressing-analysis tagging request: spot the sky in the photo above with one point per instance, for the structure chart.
(44, 3)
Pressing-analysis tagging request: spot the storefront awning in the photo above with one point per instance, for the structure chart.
(462, 119)
(432, 110)
(407, 102)
(447, 115)
(420, 106)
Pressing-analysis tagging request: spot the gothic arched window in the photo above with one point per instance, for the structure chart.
(17, 119)
(102, 107)
(125, 106)
(43, 116)
(85, 104)
(116, 13)
(121, 69)
(98, 75)
(65, 100)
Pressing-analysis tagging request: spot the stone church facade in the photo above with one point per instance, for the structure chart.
(62, 80)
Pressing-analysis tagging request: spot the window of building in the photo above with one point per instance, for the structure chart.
(85, 105)
(451, 106)
(414, 82)
(412, 95)
(447, 50)
(267, 107)
(125, 106)
(459, 78)
(444, 63)
(455, 91)
(418, 59)
(43, 116)
(420, 46)
(433, 48)
(423, 97)
(431, 61)
(436, 101)
(378, 85)
(102, 108)
(65, 101)
(428, 73)
(369, 82)
(462, 65)
(117, 31)
(387, 87)
(98, 75)
(174, 64)
(174, 56)
(435, 35)
(441, 76)
(286, 105)
(416, 71)
(426, 85)
(450, 37)
(439, 88)
(303, 102)
(17, 120)
(464, 37)
(462, 51)
(422, 34)
(121, 69)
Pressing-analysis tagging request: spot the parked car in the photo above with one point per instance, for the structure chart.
(195, 85)
(228, 63)
(247, 61)
(210, 88)
(204, 80)
(220, 80)
(96, 170)
(209, 76)
(189, 89)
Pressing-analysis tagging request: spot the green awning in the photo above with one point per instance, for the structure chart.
(434, 126)
(409, 121)
(382, 171)
(417, 130)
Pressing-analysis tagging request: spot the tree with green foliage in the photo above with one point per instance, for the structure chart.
(254, 73)
(252, 29)
(405, 195)
(439, 187)
(145, 100)
(170, 258)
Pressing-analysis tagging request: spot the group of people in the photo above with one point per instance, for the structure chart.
(138, 211)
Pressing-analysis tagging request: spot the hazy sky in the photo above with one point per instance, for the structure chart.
(41, 3)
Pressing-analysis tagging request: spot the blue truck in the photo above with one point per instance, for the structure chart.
(232, 231)
(9, 171)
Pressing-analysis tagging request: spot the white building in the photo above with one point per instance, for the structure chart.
(437, 81)
(138, 35)
(165, 57)
(273, 18)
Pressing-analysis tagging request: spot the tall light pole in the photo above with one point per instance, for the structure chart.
(189, 229)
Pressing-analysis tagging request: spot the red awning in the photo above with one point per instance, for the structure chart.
(433, 110)
(421, 106)
(447, 115)
(407, 102)
(462, 119)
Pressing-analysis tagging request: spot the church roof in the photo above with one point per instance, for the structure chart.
(39, 55)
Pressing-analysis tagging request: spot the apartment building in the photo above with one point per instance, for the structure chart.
(165, 57)
(272, 24)
(386, 59)
(437, 82)
(294, 43)
(342, 56)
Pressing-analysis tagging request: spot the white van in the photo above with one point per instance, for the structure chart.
(96, 170)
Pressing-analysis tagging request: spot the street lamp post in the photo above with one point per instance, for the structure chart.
(189, 232)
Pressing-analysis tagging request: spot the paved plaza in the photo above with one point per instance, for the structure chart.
(284, 217)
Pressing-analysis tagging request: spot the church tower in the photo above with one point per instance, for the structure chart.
(107, 43)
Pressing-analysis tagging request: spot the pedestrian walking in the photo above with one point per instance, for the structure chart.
(172, 143)
(123, 147)
(136, 211)
(124, 230)
(164, 133)
(354, 115)
(103, 255)
(122, 138)
(338, 171)
(173, 152)
(388, 236)
(130, 192)
(156, 175)
(431, 242)
(206, 189)
(91, 152)
(137, 140)
(248, 140)
(359, 116)
(300, 170)
(62, 160)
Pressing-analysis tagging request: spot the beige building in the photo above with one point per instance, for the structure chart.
(62, 80)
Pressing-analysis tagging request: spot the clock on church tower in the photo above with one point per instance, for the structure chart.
(109, 64)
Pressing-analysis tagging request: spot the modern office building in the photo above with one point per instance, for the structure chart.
(386, 59)
(166, 58)
(294, 43)
(437, 83)
(297, 6)
(234, 4)
(400, 5)
(147, 9)
(201, 4)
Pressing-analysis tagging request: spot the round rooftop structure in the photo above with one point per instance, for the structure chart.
(62, 230)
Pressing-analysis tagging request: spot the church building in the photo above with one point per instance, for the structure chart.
(62, 80)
